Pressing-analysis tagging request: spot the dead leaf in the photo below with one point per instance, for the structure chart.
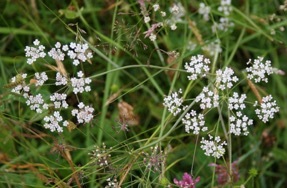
(126, 114)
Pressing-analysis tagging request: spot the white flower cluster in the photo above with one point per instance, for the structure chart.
(198, 66)
(224, 22)
(225, 7)
(177, 12)
(77, 52)
(55, 122)
(239, 123)
(173, 102)
(84, 113)
(18, 84)
(235, 102)
(268, 108)
(259, 70)
(36, 103)
(225, 78)
(204, 11)
(112, 183)
(41, 78)
(56, 53)
(80, 84)
(59, 100)
(213, 48)
(213, 147)
(101, 155)
(34, 52)
(194, 122)
(60, 79)
(207, 99)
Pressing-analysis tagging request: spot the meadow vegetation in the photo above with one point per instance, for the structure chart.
(143, 93)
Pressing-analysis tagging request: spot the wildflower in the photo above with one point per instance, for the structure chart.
(101, 155)
(223, 175)
(259, 70)
(173, 102)
(80, 84)
(112, 183)
(187, 181)
(268, 108)
(152, 29)
(34, 52)
(154, 160)
(173, 26)
(238, 124)
(213, 48)
(146, 19)
(56, 53)
(194, 122)
(84, 114)
(174, 9)
(204, 11)
(78, 53)
(18, 84)
(53, 122)
(152, 37)
(36, 103)
(213, 147)
(163, 14)
(224, 78)
(207, 98)
(60, 79)
(225, 7)
(198, 66)
(155, 7)
(41, 78)
(235, 102)
(59, 100)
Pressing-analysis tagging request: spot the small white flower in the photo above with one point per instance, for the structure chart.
(79, 53)
(56, 53)
(163, 14)
(59, 100)
(173, 26)
(213, 147)
(36, 103)
(146, 19)
(173, 102)
(41, 78)
(80, 84)
(155, 7)
(84, 114)
(152, 37)
(225, 7)
(259, 70)
(54, 121)
(235, 102)
(213, 48)
(204, 11)
(60, 79)
(225, 78)
(239, 124)
(174, 9)
(33, 53)
(268, 108)
(207, 99)
(198, 67)
(194, 122)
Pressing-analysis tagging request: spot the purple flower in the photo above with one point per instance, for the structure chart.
(223, 175)
(187, 181)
